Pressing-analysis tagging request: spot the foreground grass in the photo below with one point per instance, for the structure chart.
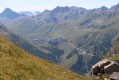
(16, 64)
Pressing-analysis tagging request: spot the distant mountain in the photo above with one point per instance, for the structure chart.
(74, 37)
(61, 14)
(28, 13)
(66, 13)
(36, 12)
(115, 7)
(8, 13)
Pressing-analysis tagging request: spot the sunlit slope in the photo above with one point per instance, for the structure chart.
(16, 64)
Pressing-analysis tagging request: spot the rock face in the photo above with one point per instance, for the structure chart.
(105, 67)
(114, 76)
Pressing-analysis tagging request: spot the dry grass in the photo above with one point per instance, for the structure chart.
(16, 64)
(115, 50)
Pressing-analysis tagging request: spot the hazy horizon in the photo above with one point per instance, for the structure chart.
(31, 5)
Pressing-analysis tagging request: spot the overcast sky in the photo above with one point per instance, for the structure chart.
(40, 5)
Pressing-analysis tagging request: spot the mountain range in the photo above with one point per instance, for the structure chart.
(10, 14)
(73, 37)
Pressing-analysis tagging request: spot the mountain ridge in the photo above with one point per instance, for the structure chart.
(58, 8)
(9, 14)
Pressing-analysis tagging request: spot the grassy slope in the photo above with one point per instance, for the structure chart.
(115, 51)
(16, 64)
